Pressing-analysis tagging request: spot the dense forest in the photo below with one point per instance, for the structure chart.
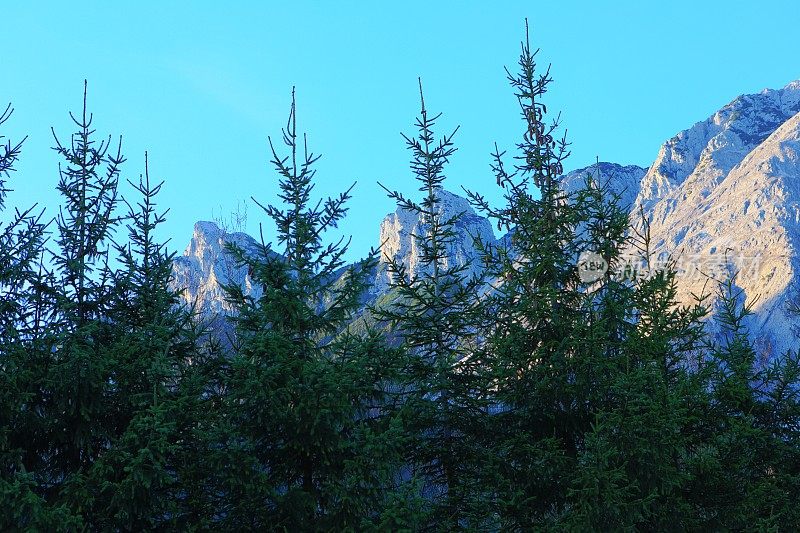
(524, 399)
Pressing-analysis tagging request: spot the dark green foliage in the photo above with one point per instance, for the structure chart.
(435, 319)
(152, 392)
(101, 374)
(747, 474)
(21, 324)
(77, 348)
(591, 384)
(21, 243)
(651, 391)
(306, 441)
(540, 344)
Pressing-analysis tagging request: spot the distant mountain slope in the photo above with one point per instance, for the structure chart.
(205, 266)
(622, 180)
(397, 240)
(721, 195)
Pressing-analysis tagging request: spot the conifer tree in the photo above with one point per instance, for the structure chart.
(649, 396)
(306, 445)
(136, 483)
(434, 317)
(22, 237)
(21, 245)
(70, 398)
(746, 475)
(574, 362)
(536, 307)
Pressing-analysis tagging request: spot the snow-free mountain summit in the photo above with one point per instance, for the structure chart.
(722, 195)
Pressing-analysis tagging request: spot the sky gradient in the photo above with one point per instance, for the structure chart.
(201, 85)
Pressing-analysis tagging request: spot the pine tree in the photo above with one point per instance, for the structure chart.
(536, 306)
(306, 444)
(151, 403)
(73, 351)
(586, 375)
(21, 247)
(746, 475)
(647, 404)
(434, 317)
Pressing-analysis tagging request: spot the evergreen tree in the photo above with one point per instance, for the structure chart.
(105, 429)
(64, 375)
(536, 306)
(306, 445)
(78, 427)
(22, 237)
(746, 474)
(434, 317)
(587, 376)
(152, 402)
(647, 404)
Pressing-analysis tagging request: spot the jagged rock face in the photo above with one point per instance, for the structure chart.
(397, 239)
(724, 196)
(755, 211)
(697, 159)
(205, 265)
(748, 222)
(623, 181)
(721, 195)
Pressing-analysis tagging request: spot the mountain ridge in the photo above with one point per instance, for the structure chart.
(729, 183)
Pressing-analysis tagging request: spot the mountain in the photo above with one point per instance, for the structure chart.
(721, 195)
(697, 159)
(622, 180)
(206, 265)
(397, 230)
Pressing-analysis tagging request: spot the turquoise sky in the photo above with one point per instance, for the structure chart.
(201, 85)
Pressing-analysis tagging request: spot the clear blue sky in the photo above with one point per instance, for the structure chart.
(200, 85)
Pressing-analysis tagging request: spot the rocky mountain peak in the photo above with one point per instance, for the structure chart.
(206, 265)
(397, 241)
(739, 211)
(624, 180)
(722, 196)
(707, 151)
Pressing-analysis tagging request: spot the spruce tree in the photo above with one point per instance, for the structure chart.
(434, 318)
(746, 475)
(151, 403)
(536, 308)
(22, 238)
(70, 425)
(646, 405)
(21, 245)
(586, 374)
(305, 443)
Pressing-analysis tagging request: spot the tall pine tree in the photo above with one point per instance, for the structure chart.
(435, 319)
(305, 443)
(22, 321)
(574, 360)
(152, 401)
(745, 473)
(536, 309)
